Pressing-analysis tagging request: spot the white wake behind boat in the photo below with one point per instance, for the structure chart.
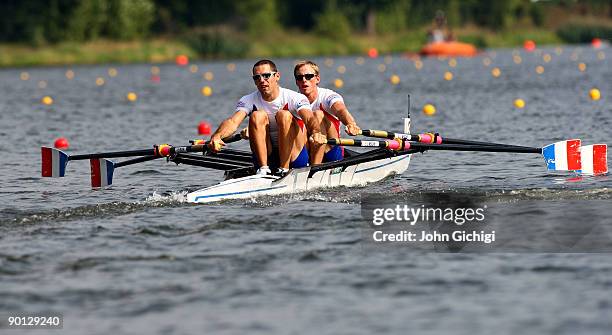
(356, 170)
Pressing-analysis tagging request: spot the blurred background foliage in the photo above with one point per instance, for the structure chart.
(236, 28)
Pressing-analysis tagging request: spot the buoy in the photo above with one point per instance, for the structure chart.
(204, 128)
(448, 75)
(155, 70)
(338, 83)
(382, 67)
(209, 76)
(182, 60)
(529, 45)
(231, 67)
(429, 109)
(47, 100)
(61, 143)
(24, 76)
(99, 81)
(112, 72)
(595, 94)
(206, 91)
(539, 69)
(341, 69)
(596, 43)
(395, 79)
(69, 74)
(131, 96)
(496, 72)
(519, 103)
(372, 53)
(582, 67)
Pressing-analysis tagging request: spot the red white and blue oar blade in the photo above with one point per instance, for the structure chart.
(563, 156)
(101, 172)
(594, 159)
(53, 162)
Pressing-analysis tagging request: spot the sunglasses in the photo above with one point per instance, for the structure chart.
(265, 76)
(308, 76)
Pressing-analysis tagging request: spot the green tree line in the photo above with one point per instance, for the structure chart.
(51, 21)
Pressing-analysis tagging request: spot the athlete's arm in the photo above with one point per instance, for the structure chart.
(340, 110)
(227, 128)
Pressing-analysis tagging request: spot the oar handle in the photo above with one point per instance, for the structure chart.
(424, 138)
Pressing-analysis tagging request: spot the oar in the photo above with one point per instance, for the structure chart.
(428, 138)
(54, 161)
(559, 156)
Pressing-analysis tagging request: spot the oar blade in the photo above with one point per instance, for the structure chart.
(594, 159)
(53, 162)
(563, 155)
(101, 172)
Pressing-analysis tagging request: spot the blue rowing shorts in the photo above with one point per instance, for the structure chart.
(336, 153)
(301, 160)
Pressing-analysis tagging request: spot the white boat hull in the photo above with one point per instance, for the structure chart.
(298, 180)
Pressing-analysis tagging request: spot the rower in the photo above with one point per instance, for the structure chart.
(277, 119)
(329, 110)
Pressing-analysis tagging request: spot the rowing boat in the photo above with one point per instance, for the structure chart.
(354, 170)
(383, 158)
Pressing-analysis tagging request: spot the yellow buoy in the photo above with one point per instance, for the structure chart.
(99, 81)
(112, 72)
(338, 83)
(517, 59)
(47, 100)
(595, 94)
(418, 64)
(24, 76)
(69, 74)
(582, 67)
(209, 75)
(429, 109)
(206, 91)
(231, 67)
(395, 79)
(496, 72)
(452, 62)
(539, 69)
(448, 75)
(341, 69)
(601, 55)
(131, 96)
(486, 61)
(193, 68)
(519, 103)
(547, 58)
(155, 70)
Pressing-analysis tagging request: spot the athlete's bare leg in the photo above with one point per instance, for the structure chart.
(327, 128)
(291, 138)
(259, 137)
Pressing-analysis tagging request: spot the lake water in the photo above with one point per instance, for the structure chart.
(136, 259)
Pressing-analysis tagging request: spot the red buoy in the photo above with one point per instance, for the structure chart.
(596, 43)
(182, 60)
(61, 143)
(204, 128)
(529, 45)
(372, 53)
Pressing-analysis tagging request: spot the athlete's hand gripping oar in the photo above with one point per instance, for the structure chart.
(54, 161)
(559, 156)
(427, 138)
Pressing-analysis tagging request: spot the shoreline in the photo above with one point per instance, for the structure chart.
(284, 44)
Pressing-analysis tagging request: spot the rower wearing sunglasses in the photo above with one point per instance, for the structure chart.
(329, 110)
(277, 120)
